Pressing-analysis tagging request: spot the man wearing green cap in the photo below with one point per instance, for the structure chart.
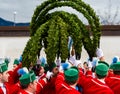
(29, 85)
(95, 85)
(3, 78)
(5, 87)
(66, 83)
(113, 81)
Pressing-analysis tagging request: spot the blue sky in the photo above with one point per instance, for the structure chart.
(25, 8)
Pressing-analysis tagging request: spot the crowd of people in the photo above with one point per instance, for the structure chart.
(70, 77)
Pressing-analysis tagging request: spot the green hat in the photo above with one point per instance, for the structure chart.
(75, 68)
(7, 61)
(16, 61)
(46, 67)
(103, 63)
(71, 74)
(27, 78)
(3, 67)
(52, 66)
(42, 64)
(101, 69)
(115, 66)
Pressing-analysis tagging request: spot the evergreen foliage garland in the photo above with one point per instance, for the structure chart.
(74, 27)
(54, 28)
(57, 40)
(33, 45)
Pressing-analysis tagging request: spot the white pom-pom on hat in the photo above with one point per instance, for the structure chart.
(25, 69)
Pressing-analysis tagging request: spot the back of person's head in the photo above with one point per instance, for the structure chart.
(101, 70)
(26, 79)
(71, 75)
(116, 68)
(116, 72)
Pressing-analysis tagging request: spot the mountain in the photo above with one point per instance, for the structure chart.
(4, 22)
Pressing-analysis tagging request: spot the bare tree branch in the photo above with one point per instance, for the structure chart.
(109, 18)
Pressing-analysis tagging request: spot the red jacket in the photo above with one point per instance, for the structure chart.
(40, 85)
(10, 89)
(49, 88)
(6, 88)
(14, 76)
(93, 86)
(64, 88)
(23, 92)
(41, 77)
(114, 83)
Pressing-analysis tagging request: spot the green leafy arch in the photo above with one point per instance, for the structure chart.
(54, 28)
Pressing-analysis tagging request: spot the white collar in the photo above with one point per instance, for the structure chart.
(28, 92)
(72, 86)
(3, 88)
(102, 80)
(1, 84)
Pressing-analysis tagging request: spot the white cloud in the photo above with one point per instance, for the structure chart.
(25, 8)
